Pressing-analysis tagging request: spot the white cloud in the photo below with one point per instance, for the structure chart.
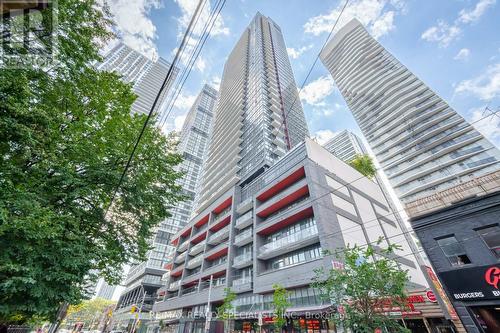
(488, 126)
(376, 15)
(462, 55)
(486, 86)
(184, 102)
(322, 136)
(442, 33)
(468, 16)
(215, 82)
(295, 53)
(315, 92)
(188, 8)
(179, 122)
(133, 24)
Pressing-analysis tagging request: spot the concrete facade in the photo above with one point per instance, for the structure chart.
(273, 230)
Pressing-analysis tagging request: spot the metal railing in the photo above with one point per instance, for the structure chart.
(289, 239)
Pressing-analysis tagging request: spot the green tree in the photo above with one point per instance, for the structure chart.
(226, 310)
(66, 135)
(369, 284)
(280, 304)
(90, 312)
(363, 163)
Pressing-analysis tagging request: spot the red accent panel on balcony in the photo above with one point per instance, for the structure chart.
(221, 224)
(186, 233)
(217, 254)
(190, 284)
(308, 212)
(199, 238)
(201, 222)
(161, 293)
(223, 205)
(175, 241)
(217, 274)
(286, 201)
(283, 184)
(177, 271)
(168, 265)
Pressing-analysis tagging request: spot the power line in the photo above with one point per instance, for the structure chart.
(153, 106)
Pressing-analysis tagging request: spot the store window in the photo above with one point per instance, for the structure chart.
(491, 236)
(454, 251)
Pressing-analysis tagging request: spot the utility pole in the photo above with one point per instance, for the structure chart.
(208, 313)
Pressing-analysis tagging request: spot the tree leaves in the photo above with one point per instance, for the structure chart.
(364, 165)
(66, 134)
(369, 285)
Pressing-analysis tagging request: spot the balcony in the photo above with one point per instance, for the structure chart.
(189, 290)
(243, 238)
(180, 258)
(242, 284)
(197, 248)
(222, 215)
(219, 236)
(283, 199)
(174, 285)
(177, 271)
(243, 260)
(183, 246)
(244, 220)
(244, 206)
(195, 262)
(289, 243)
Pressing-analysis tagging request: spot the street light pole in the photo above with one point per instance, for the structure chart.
(208, 313)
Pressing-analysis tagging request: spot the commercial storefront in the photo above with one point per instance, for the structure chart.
(478, 289)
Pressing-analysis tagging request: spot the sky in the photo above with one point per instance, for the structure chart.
(452, 45)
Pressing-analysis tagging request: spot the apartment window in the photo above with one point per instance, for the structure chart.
(491, 236)
(454, 251)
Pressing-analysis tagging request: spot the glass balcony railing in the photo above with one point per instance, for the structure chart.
(174, 285)
(180, 258)
(219, 233)
(195, 261)
(242, 281)
(242, 258)
(288, 240)
(183, 246)
(245, 217)
(244, 235)
(197, 248)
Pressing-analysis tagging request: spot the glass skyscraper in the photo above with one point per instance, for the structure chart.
(259, 116)
(193, 145)
(146, 75)
(422, 144)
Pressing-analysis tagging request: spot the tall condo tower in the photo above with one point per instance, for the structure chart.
(345, 145)
(422, 144)
(259, 116)
(193, 145)
(146, 75)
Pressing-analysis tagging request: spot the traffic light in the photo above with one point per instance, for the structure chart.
(133, 309)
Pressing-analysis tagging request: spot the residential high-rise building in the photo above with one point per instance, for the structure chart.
(271, 203)
(193, 145)
(146, 75)
(345, 145)
(422, 144)
(259, 116)
(104, 290)
(275, 231)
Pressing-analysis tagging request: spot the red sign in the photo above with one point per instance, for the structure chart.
(430, 296)
(492, 276)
